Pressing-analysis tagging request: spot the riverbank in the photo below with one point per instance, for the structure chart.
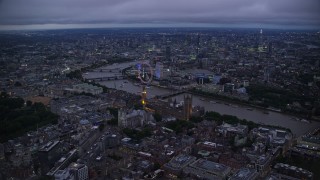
(225, 99)
(245, 103)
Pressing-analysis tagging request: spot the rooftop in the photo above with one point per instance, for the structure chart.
(207, 169)
(209, 165)
(180, 161)
(76, 166)
(47, 147)
(244, 174)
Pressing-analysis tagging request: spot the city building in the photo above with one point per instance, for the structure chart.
(205, 169)
(87, 88)
(63, 163)
(159, 70)
(48, 155)
(187, 140)
(63, 175)
(229, 130)
(246, 83)
(133, 118)
(262, 164)
(111, 140)
(79, 171)
(177, 163)
(228, 87)
(285, 171)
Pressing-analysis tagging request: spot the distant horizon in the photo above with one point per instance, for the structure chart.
(146, 26)
(75, 14)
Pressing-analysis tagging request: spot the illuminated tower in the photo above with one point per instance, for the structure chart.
(144, 97)
(145, 74)
(187, 107)
(198, 44)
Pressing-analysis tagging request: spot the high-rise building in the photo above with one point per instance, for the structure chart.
(266, 74)
(168, 53)
(198, 40)
(260, 46)
(48, 155)
(198, 45)
(79, 171)
(270, 49)
(187, 107)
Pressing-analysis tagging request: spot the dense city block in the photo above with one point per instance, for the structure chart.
(160, 103)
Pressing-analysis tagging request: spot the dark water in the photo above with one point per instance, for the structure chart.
(255, 115)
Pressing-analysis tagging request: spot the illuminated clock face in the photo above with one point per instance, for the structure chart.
(145, 72)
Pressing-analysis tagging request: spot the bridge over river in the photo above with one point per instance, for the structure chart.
(111, 70)
(107, 78)
(167, 95)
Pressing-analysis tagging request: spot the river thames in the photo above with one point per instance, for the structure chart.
(252, 114)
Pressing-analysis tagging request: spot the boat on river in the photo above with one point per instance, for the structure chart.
(305, 121)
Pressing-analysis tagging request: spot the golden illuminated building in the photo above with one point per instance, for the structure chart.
(187, 107)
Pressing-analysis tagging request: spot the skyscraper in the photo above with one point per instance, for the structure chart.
(168, 53)
(260, 46)
(48, 155)
(79, 171)
(270, 49)
(198, 40)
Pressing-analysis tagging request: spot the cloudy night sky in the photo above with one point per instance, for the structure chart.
(33, 14)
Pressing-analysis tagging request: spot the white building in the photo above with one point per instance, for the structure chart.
(245, 83)
(87, 88)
